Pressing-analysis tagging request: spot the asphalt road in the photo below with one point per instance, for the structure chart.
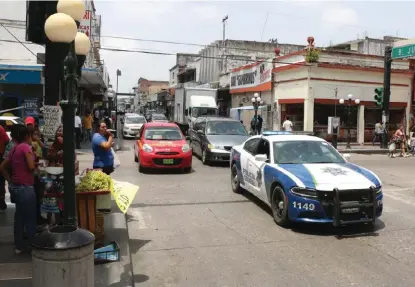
(191, 230)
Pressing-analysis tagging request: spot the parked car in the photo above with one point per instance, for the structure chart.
(212, 138)
(132, 124)
(160, 146)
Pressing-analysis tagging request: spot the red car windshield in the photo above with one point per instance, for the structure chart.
(163, 133)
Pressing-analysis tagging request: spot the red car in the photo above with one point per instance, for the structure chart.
(162, 145)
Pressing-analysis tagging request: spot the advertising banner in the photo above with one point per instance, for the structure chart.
(252, 76)
(85, 25)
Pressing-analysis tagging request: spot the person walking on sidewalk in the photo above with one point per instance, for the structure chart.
(88, 126)
(378, 133)
(4, 140)
(78, 130)
(102, 148)
(18, 169)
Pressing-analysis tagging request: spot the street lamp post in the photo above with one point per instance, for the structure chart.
(66, 247)
(349, 105)
(256, 102)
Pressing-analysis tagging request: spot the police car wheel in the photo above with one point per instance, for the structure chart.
(235, 183)
(279, 207)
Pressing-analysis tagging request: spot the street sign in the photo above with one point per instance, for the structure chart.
(403, 51)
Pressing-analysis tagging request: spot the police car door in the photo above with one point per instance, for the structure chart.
(257, 168)
(247, 155)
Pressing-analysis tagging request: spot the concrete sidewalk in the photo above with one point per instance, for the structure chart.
(362, 149)
(16, 270)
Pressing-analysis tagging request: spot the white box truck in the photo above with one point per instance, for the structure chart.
(191, 103)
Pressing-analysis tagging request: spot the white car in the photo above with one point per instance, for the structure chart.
(304, 179)
(132, 124)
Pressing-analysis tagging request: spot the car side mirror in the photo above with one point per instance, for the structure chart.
(261, 157)
(347, 156)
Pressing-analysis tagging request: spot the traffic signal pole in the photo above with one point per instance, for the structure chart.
(386, 95)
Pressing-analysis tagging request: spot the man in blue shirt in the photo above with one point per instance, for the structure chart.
(101, 146)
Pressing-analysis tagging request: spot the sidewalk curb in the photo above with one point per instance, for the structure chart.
(116, 273)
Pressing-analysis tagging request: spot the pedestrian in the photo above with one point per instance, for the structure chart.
(102, 148)
(52, 206)
(78, 130)
(13, 132)
(400, 140)
(4, 140)
(259, 124)
(378, 133)
(37, 149)
(18, 169)
(88, 126)
(287, 125)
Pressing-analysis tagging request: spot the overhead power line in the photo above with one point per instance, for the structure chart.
(161, 53)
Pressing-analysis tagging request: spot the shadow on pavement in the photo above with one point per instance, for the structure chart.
(343, 232)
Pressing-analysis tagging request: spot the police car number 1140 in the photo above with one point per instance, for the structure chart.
(303, 206)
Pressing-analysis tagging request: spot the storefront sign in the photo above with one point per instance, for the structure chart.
(251, 77)
(85, 24)
(52, 116)
(31, 108)
(20, 77)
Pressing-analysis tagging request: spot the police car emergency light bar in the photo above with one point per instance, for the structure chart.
(280, 133)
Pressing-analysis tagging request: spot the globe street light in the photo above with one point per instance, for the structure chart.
(256, 102)
(349, 105)
(66, 247)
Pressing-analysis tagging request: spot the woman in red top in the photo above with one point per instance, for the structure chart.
(18, 169)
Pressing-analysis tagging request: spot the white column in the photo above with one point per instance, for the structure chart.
(276, 121)
(308, 114)
(361, 124)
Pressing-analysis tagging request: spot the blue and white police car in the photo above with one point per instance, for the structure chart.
(304, 179)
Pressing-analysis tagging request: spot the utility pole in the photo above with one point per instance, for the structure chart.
(386, 95)
(334, 134)
(223, 43)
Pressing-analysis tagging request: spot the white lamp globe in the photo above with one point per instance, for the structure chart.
(256, 95)
(258, 99)
(253, 100)
(82, 44)
(349, 96)
(60, 28)
(73, 8)
(341, 101)
(357, 101)
(110, 90)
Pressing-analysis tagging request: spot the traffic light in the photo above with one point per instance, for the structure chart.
(379, 96)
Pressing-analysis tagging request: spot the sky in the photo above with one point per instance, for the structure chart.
(200, 22)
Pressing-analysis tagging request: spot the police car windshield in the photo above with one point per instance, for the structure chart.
(299, 152)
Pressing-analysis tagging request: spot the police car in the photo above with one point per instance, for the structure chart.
(304, 179)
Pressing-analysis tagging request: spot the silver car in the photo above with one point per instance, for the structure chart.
(132, 125)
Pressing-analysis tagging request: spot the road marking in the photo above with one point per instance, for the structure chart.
(137, 214)
(400, 197)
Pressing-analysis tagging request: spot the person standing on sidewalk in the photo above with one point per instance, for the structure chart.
(378, 134)
(18, 170)
(88, 126)
(4, 140)
(101, 146)
(78, 130)
(287, 125)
